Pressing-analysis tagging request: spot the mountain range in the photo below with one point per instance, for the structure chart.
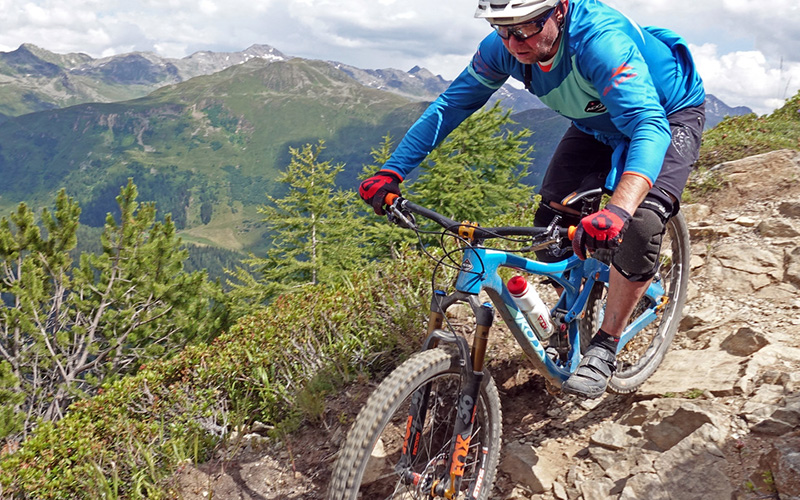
(34, 79)
(205, 136)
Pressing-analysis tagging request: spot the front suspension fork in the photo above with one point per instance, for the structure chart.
(471, 378)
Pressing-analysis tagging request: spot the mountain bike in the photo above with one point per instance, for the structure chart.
(432, 428)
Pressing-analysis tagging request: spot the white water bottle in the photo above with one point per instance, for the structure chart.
(528, 301)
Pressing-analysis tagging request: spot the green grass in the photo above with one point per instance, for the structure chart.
(739, 137)
(743, 136)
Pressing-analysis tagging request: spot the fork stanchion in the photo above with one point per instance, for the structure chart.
(484, 317)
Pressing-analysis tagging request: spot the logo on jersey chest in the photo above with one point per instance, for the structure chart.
(595, 107)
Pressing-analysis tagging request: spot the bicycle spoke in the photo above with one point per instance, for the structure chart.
(644, 352)
(431, 461)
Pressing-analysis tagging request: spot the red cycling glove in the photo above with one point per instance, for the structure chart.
(374, 190)
(603, 229)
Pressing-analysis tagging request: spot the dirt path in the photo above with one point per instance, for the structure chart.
(745, 278)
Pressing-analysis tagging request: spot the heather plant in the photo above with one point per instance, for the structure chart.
(742, 136)
(130, 437)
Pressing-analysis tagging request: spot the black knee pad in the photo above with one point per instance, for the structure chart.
(543, 217)
(637, 257)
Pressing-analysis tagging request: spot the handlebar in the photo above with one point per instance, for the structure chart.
(399, 209)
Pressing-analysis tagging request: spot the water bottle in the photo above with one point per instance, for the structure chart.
(528, 301)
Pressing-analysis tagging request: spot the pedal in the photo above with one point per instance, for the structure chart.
(551, 389)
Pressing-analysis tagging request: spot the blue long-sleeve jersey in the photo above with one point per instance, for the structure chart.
(612, 78)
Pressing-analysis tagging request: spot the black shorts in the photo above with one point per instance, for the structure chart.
(581, 162)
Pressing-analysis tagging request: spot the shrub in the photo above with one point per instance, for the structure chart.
(743, 136)
(139, 429)
(739, 137)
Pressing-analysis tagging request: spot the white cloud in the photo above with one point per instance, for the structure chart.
(772, 28)
(747, 55)
(746, 78)
(208, 8)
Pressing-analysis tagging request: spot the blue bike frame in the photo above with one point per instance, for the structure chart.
(479, 271)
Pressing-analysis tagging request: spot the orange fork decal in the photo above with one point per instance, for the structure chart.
(408, 434)
(459, 461)
(460, 456)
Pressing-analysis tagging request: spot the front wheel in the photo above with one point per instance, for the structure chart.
(366, 465)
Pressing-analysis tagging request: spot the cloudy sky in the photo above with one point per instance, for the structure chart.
(748, 52)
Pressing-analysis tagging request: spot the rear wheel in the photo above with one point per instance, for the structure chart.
(642, 355)
(366, 465)
(592, 318)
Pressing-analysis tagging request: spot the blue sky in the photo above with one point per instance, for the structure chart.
(748, 52)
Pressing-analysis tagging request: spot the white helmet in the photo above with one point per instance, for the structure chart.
(512, 11)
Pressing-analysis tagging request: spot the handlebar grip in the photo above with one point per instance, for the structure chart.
(571, 232)
(389, 199)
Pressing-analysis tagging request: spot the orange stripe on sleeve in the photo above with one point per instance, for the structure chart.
(649, 182)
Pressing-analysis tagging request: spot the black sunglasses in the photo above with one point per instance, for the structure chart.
(524, 30)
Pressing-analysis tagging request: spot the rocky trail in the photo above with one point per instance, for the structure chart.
(720, 419)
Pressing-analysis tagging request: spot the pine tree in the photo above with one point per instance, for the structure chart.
(313, 237)
(385, 240)
(476, 173)
(64, 330)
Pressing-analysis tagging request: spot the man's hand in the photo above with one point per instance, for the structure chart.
(603, 229)
(374, 190)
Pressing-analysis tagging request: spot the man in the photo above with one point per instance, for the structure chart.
(636, 104)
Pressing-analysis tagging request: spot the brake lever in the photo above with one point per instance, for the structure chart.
(403, 218)
(555, 237)
(549, 240)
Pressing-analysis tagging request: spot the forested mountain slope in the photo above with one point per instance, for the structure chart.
(206, 150)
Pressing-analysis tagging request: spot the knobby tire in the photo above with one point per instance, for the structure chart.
(384, 418)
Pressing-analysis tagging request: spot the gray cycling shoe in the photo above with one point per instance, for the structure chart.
(594, 371)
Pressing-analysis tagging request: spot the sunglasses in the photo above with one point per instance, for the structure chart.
(524, 30)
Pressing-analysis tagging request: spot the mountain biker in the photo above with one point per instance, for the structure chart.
(636, 104)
